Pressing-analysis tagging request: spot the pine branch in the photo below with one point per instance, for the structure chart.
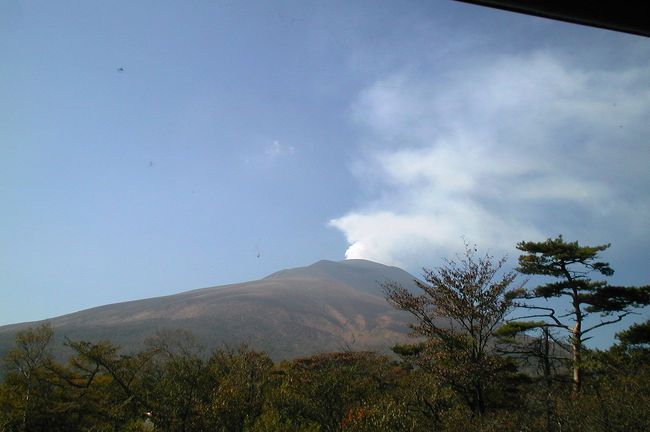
(604, 323)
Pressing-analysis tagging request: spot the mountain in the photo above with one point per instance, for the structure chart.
(327, 306)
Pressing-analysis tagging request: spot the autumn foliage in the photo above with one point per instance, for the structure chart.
(473, 366)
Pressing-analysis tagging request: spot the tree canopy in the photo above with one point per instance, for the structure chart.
(571, 266)
(461, 305)
(453, 378)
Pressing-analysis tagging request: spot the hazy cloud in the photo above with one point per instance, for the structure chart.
(275, 149)
(514, 148)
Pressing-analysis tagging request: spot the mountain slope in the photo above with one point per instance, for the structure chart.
(322, 307)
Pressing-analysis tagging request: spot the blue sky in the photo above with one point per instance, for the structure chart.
(300, 131)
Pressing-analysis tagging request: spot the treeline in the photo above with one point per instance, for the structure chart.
(478, 364)
(171, 386)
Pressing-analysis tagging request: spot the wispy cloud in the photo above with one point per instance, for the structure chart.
(515, 148)
(275, 150)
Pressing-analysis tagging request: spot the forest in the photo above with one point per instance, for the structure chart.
(489, 354)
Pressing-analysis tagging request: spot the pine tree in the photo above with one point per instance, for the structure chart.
(570, 265)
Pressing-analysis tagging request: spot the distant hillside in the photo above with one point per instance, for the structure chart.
(326, 306)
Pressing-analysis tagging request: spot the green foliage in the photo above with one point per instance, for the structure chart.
(515, 328)
(554, 256)
(26, 378)
(636, 335)
(607, 298)
(461, 306)
(615, 398)
(119, 376)
(177, 386)
(330, 392)
(384, 415)
(350, 391)
(238, 388)
(409, 350)
(325, 389)
(460, 420)
(172, 386)
(570, 265)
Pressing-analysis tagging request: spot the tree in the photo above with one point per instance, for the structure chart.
(336, 391)
(570, 265)
(26, 365)
(178, 385)
(117, 377)
(533, 342)
(637, 335)
(238, 377)
(462, 304)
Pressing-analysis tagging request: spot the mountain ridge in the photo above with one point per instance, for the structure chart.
(325, 306)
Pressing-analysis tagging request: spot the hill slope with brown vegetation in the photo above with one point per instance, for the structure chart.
(327, 306)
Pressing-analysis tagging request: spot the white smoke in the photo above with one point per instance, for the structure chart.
(517, 148)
